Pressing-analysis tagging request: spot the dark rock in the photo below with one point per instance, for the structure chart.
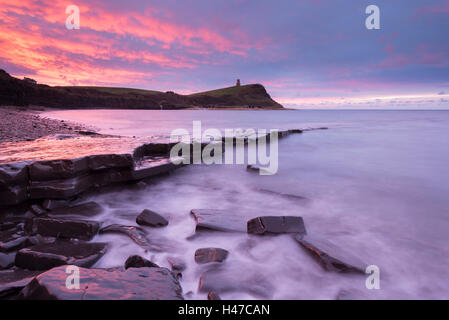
(13, 281)
(100, 284)
(38, 210)
(52, 204)
(64, 228)
(136, 234)
(14, 173)
(60, 189)
(12, 194)
(331, 257)
(146, 169)
(108, 161)
(176, 264)
(139, 262)
(213, 296)
(57, 169)
(11, 240)
(88, 209)
(151, 218)
(223, 280)
(285, 224)
(6, 260)
(47, 256)
(219, 220)
(206, 255)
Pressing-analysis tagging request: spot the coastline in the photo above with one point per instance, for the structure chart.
(26, 124)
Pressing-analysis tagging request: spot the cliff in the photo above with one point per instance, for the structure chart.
(18, 92)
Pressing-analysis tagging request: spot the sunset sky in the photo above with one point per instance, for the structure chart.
(310, 53)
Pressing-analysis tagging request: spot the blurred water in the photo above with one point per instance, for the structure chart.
(377, 184)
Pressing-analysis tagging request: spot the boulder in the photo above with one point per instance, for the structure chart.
(100, 284)
(206, 255)
(330, 256)
(218, 220)
(139, 262)
(49, 255)
(151, 218)
(63, 228)
(13, 281)
(276, 225)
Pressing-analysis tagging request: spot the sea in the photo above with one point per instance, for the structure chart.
(375, 184)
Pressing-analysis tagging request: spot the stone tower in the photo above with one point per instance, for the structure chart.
(237, 83)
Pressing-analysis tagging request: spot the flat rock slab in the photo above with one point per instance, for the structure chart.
(218, 220)
(12, 281)
(139, 262)
(206, 255)
(330, 256)
(276, 225)
(100, 284)
(88, 209)
(151, 219)
(63, 228)
(49, 255)
(136, 234)
(12, 239)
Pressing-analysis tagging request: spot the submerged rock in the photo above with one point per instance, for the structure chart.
(213, 296)
(100, 284)
(276, 225)
(139, 262)
(218, 220)
(206, 255)
(222, 280)
(136, 234)
(176, 264)
(151, 218)
(330, 256)
(63, 228)
(49, 255)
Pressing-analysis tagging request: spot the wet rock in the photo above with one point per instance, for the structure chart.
(108, 161)
(57, 169)
(218, 220)
(52, 204)
(146, 169)
(64, 228)
(223, 280)
(330, 256)
(151, 218)
(12, 194)
(60, 189)
(139, 262)
(206, 255)
(47, 256)
(287, 196)
(38, 210)
(276, 225)
(14, 173)
(176, 264)
(88, 209)
(213, 296)
(100, 284)
(11, 240)
(136, 234)
(6, 260)
(13, 281)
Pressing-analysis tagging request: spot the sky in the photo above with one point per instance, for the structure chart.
(308, 54)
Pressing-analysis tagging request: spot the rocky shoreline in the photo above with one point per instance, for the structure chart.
(25, 124)
(44, 229)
